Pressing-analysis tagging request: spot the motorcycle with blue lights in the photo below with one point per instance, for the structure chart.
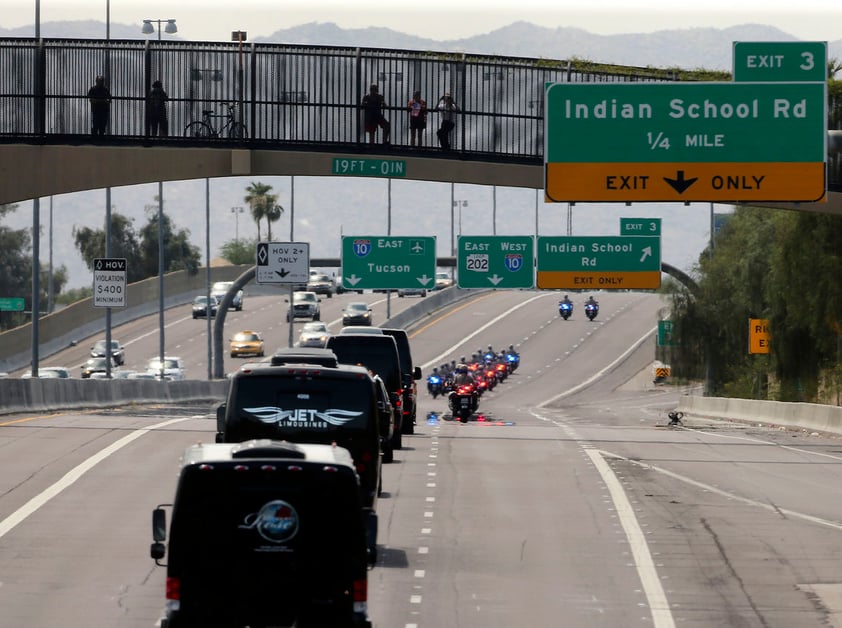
(565, 308)
(591, 308)
(435, 383)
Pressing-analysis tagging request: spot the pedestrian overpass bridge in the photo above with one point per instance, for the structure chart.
(299, 107)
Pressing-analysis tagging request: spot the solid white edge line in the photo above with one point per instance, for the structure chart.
(30, 507)
(596, 376)
(480, 330)
(655, 596)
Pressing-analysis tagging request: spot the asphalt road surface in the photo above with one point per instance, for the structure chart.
(571, 503)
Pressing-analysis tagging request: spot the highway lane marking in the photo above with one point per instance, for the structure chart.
(69, 478)
(722, 493)
(477, 331)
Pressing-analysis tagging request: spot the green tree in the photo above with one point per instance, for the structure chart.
(16, 278)
(263, 204)
(179, 254)
(124, 243)
(239, 252)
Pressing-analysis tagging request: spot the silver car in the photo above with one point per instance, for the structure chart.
(313, 334)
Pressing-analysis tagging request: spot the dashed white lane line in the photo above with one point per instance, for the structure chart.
(74, 474)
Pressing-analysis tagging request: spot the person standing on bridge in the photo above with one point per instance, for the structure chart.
(417, 119)
(156, 111)
(100, 99)
(448, 109)
(373, 106)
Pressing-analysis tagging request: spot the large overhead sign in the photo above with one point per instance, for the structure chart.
(496, 262)
(388, 262)
(719, 142)
(607, 262)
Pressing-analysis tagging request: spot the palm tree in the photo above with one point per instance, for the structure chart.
(259, 199)
(273, 214)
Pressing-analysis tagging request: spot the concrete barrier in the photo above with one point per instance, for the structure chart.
(48, 395)
(808, 416)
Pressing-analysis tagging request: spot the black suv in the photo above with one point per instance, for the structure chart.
(264, 533)
(409, 375)
(379, 353)
(307, 403)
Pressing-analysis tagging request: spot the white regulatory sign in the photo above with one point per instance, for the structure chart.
(283, 262)
(109, 282)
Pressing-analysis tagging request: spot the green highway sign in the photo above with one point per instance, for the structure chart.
(369, 167)
(587, 262)
(665, 334)
(717, 142)
(11, 304)
(640, 226)
(388, 262)
(496, 262)
(780, 61)
(685, 122)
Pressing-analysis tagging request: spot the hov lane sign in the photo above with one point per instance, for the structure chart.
(283, 262)
(496, 262)
(109, 282)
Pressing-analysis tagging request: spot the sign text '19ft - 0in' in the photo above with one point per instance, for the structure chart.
(721, 142)
(356, 167)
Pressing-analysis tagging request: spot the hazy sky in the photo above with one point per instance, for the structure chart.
(213, 20)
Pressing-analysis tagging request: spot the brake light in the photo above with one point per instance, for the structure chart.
(240, 467)
(267, 467)
(205, 467)
(360, 591)
(173, 588)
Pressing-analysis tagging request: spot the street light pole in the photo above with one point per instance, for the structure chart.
(148, 29)
(237, 211)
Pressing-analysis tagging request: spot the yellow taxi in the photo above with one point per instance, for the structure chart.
(246, 343)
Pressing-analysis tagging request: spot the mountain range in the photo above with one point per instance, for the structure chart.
(326, 207)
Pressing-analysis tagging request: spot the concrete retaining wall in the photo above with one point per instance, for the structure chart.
(809, 416)
(47, 395)
(80, 320)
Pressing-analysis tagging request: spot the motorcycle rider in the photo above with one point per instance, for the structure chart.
(461, 378)
(566, 301)
(591, 301)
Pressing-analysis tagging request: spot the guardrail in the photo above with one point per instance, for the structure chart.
(808, 416)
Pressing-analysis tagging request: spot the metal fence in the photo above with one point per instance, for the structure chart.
(287, 96)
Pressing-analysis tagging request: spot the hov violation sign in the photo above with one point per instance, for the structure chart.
(109, 282)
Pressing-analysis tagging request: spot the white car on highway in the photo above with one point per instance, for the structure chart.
(171, 368)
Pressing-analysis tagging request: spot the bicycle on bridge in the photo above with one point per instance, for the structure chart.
(204, 128)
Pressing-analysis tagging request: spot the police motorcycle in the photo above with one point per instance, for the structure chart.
(463, 399)
(565, 308)
(591, 309)
(512, 358)
(435, 383)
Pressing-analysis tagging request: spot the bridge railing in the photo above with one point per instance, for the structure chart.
(282, 93)
(288, 95)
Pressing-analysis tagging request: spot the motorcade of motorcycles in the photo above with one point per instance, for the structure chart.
(565, 309)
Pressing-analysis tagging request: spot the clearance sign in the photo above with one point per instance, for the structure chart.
(682, 142)
(758, 335)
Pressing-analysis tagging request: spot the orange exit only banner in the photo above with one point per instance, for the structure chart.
(605, 280)
(680, 182)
